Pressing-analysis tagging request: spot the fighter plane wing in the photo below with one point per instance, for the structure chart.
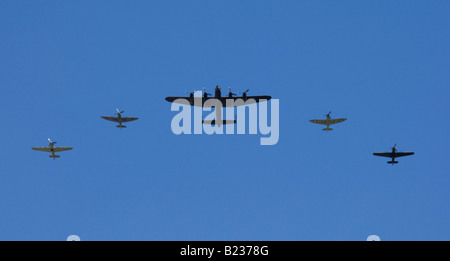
(57, 149)
(401, 154)
(334, 121)
(125, 119)
(323, 122)
(390, 154)
(109, 118)
(46, 149)
(328, 122)
(384, 154)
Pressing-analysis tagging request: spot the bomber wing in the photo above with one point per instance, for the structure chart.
(185, 100)
(235, 101)
(239, 101)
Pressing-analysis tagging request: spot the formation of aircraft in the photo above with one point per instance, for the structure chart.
(119, 118)
(231, 100)
(328, 121)
(227, 101)
(393, 154)
(52, 149)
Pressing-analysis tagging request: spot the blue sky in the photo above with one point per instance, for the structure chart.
(382, 64)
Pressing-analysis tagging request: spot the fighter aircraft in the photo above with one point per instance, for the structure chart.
(52, 149)
(231, 98)
(394, 154)
(329, 121)
(119, 118)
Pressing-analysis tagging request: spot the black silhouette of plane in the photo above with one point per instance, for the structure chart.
(119, 118)
(394, 154)
(227, 101)
(199, 101)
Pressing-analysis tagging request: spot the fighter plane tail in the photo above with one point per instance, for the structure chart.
(54, 156)
(121, 126)
(327, 129)
(392, 162)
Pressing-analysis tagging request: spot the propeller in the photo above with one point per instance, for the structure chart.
(191, 94)
(328, 115)
(54, 142)
(230, 94)
(117, 109)
(244, 94)
(205, 93)
(390, 148)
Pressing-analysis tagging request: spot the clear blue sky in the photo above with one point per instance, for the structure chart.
(384, 65)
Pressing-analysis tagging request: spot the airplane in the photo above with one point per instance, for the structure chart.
(51, 148)
(200, 101)
(119, 118)
(328, 121)
(394, 154)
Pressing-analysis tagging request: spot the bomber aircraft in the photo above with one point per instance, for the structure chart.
(394, 154)
(119, 118)
(52, 149)
(227, 101)
(329, 121)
